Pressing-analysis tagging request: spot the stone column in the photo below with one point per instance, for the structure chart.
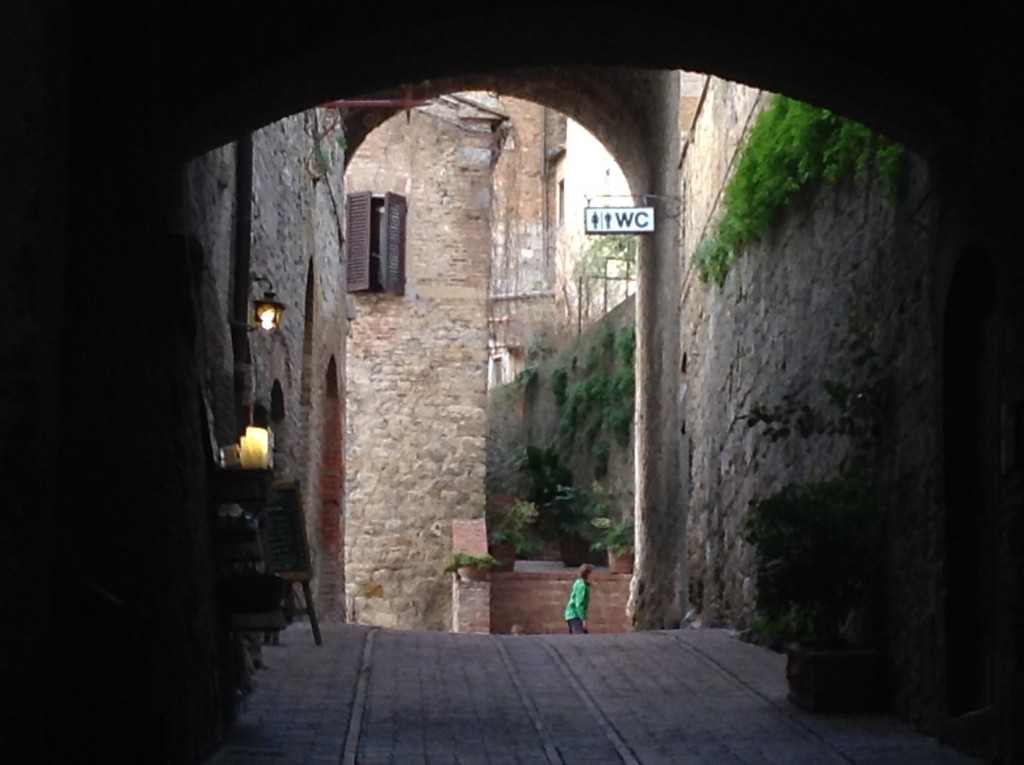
(660, 518)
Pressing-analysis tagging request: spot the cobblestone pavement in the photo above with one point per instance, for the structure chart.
(700, 697)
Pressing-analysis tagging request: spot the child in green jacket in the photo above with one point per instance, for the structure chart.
(579, 601)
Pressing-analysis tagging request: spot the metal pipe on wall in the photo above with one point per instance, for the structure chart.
(241, 279)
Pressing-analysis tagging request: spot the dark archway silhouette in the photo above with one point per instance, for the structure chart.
(971, 433)
(105, 103)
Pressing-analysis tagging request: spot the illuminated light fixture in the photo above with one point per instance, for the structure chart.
(254, 449)
(267, 312)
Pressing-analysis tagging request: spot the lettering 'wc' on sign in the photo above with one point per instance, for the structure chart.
(618, 220)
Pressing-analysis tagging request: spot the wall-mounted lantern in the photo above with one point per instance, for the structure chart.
(266, 311)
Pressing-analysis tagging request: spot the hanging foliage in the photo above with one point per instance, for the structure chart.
(791, 148)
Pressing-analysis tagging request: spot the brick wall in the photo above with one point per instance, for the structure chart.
(470, 536)
(536, 601)
(471, 606)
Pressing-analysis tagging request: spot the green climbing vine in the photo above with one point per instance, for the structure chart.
(791, 148)
(528, 375)
(598, 405)
(559, 383)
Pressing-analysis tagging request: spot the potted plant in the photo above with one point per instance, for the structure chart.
(818, 545)
(616, 538)
(614, 529)
(564, 510)
(574, 510)
(511, 534)
(548, 476)
(817, 561)
(469, 567)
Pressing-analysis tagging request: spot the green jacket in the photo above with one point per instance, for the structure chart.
(579, 600)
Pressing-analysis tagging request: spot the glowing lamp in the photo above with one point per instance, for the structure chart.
(267, 312)
(254, 449)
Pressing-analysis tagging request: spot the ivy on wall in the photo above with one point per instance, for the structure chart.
(599, 403)
(791, 148)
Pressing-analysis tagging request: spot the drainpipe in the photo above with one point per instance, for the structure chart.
(374, 103)
(240, 295)
(406, 102)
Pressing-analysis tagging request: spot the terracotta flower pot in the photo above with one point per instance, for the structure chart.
(473, 574)
(620, 564)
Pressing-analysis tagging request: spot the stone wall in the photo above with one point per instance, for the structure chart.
(781, 324)
(713, 146)
(298, 213)
(416, 432)
(295, 230)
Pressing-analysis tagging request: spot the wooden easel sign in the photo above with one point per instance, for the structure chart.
(285, 547)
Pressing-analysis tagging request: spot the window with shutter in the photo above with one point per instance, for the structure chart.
(358, 222)
(376, 242)
(393, 247)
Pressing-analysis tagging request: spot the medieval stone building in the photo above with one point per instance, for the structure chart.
(478, 180)
(417, 362)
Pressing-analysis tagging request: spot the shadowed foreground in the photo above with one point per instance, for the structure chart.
(377, 697)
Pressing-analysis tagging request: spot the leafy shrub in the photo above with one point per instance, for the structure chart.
(458, 560)
(817, 552)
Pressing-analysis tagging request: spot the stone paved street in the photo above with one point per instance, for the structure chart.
(700, 697)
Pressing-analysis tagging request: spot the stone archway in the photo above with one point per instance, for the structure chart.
(104, 108)
(893, 75)
(635, 114)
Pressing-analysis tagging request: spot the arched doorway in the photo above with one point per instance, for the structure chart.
(331, 532)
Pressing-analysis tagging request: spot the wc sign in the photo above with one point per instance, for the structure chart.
(618, 220)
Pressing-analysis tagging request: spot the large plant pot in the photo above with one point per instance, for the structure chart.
(505, 555)
(575, 550)
(620, 564)
(835, 679)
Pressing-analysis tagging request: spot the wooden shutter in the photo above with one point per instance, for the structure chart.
(393, 247)
(357, 222)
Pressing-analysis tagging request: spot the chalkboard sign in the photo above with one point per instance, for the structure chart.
(284, 532)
